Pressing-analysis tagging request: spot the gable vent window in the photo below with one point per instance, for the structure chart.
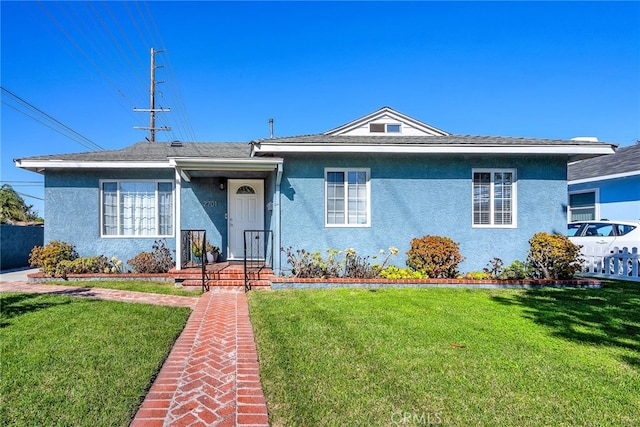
(376, 127)
(384, 128)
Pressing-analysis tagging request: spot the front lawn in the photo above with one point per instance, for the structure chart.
(68, 361)
(450, 356)
(165, 288)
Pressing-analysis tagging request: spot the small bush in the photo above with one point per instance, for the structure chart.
(393, 272)
(357, 267)
(83, 265)
(478, 275)
(158, 261)
(144, 262)
(436, 256)
(162, 255)
(493, 268)
(306, 264)
(47, 257)
(553, 256)
(517, 270)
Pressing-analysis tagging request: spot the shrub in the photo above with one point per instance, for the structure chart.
(162, 255)
(306, 264)
(436, 256)
(515, 271)
(393, 272)
(144, 262)
(493, 268)
(357, 267)
(83, 265)
(553, 256)
(47, 257)
(158, 261)
(478, 275)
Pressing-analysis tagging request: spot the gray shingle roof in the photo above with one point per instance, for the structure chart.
(158, 151)
(422, 140)
(625, 160)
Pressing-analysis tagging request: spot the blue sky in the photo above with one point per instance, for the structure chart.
(544, 69)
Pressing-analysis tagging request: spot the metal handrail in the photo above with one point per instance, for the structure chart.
(258, 254)
(192, 239)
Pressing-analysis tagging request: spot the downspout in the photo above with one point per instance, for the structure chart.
(276, 232)
(178, 222)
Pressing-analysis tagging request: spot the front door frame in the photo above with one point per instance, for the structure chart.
(232, 186)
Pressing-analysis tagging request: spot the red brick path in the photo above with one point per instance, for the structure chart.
(211, 376)
(99, 293)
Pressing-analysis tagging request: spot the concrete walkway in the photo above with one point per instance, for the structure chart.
(211, 377)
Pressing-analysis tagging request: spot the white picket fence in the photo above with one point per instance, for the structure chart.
(617, 264)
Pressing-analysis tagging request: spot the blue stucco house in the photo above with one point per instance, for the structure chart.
(606, 187)
(375, 182)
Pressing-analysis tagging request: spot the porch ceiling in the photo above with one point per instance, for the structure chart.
(227, 168)
(198, 174)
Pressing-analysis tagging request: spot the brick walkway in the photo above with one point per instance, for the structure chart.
(211, 377)
(98, 293)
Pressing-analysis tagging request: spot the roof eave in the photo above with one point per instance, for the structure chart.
(575, 151)
(40, 166)
(604, 177)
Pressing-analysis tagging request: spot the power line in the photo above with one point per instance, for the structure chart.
(28, 195)
(106, 40)
(55, 124)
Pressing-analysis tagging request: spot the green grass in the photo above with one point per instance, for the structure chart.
(68, 361)
(165, 288)
(450, 356)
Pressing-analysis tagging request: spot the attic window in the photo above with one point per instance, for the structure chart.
(376, 127)
(384, 128)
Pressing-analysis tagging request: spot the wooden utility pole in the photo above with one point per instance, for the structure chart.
(152, 110)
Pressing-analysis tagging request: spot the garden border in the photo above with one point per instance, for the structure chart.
(278, 283)
(150, 277)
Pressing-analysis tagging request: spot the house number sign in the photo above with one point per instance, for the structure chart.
(210, 203)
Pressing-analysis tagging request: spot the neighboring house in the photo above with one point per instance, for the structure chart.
(376, 182)
(606, 187)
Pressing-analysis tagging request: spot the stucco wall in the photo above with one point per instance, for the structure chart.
(16, 243)
(619, 198)
(412, 196)
(204, 207)
(72, 206)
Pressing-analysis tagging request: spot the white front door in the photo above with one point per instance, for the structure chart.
(246, 212)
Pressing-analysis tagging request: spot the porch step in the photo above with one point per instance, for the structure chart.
(230, 284)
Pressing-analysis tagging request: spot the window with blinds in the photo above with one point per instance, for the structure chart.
(582, 206)
(494, 198)
(137, 208)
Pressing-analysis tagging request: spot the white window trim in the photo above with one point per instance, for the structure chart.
(514, 203)
(386, 128)
(596, 202)
(150, 236)
(346, 210)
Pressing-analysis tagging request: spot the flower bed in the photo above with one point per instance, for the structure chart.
(299, 283)
(151, 277)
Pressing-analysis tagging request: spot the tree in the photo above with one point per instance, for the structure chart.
(13, 208)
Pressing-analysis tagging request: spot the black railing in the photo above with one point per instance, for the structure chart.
(194, 252)
(258, 254)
